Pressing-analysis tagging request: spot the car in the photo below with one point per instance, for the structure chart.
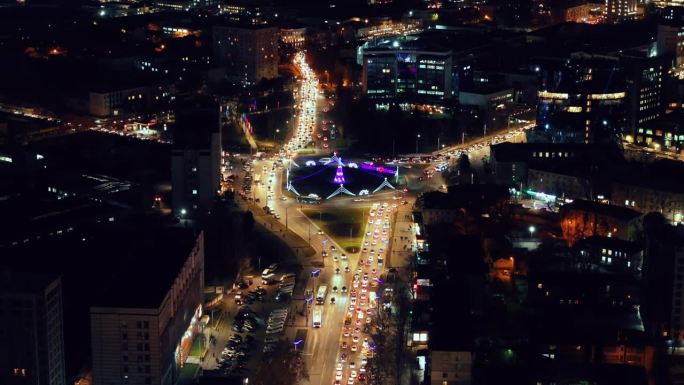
(344, 289)
(343, 256)
(355, 337)
(350, 381)
(347, 332)
(353, 374)
(346, 269)
(352, 365)
(287, 276)
(338, 375)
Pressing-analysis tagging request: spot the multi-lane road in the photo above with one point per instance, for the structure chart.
(331, 349)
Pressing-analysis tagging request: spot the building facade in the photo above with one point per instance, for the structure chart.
(645, 81)
(407, 74)
(196, 157)
(620, 10)
(249, 52)
(450, 367)
(104, 103)
(31, 330)
(148, 343)
(294, 37)
(582, 100)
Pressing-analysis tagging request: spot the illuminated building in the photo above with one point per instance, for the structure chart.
(389, 28)
(407, 73)
(570, 11)
(31, 329)
(581, 100)
(645, 80)
(295, 37)
(195, 158)
(620, 10)
(114, 99)
(184, 5)
(142, 330)
(249, 52)
(670, 43)
(665, 133)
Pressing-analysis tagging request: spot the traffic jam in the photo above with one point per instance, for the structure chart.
(307, 95)
(364, 300)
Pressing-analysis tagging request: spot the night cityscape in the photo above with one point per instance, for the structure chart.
(341, 192)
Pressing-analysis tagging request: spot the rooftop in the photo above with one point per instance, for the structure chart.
(196, 120)
(663, 175)
(144, 266)
(609, 243)
(25, 283)
(618, 212)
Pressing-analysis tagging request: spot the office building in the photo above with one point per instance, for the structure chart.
(196, 157)
(31, 329)
(249, 52)
(670, 43)
(407, 73)
(645, 81)
(581, 100)
(143, 328)
(620, 10)
(116, 100)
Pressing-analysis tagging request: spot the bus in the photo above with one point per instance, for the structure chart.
(320, 295)
(318, 317)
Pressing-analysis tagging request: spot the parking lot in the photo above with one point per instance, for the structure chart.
(257, 317)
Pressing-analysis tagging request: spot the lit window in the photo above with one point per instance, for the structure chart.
(194, 192)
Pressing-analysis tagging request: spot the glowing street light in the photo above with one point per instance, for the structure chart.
(531, 229)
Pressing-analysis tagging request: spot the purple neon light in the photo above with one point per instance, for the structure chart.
(339, 176)
(380, 169)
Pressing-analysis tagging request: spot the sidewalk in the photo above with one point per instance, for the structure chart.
(401, 250)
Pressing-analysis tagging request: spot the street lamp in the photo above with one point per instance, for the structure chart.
(274, 135)
(531, 229)
(417, 137)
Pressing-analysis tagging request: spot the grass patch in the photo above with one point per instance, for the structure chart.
(340, 223)
(187, 373)
(197, 348)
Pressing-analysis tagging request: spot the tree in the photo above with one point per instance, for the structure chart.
(283, 367)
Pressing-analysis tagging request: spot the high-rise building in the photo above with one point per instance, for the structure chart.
(645, 80)
(143, 329)
(249, 52)
(31, 329)
(620, 10)
(407, 73)
(196, 157)
(670, 42)
(581, 100)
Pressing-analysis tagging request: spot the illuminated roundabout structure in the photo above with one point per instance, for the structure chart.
(313, 180)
